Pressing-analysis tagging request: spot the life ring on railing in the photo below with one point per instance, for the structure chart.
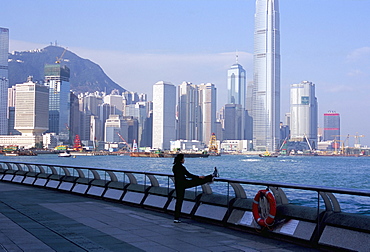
(264, 215)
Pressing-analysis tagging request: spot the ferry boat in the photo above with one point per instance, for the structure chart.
(268, 154)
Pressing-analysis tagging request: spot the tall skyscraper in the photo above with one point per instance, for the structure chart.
(31, 109)
(188, 111)
(57, 78)
(164, 115)
(331, 126)
(235, 114)
(236, 85)
(4, 81)
(207, 111)
(303, 113)
(266, 79)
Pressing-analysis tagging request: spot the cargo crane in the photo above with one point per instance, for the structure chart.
(124, 141)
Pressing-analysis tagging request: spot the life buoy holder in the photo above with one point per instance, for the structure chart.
(264, 221)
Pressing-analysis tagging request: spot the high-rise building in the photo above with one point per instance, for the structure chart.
(266, 79)
(164, 115)
(4, 80)
(303, 113)
(89, 104)
(207, 111)
(188, 111)
(236, 85)
(331, 126)
(31, 108)
(235, 124)
(57, 78)
(233, 115)
(115, 128)
(115, 101)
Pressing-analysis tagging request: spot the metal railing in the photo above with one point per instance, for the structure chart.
(145, 178)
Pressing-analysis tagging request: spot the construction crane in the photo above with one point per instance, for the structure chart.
(124, 141)
(357, 139)
(59, 59)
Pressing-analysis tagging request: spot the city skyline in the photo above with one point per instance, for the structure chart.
(321, 42)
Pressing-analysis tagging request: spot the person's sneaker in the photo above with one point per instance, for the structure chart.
(176, 221)
(215, 173)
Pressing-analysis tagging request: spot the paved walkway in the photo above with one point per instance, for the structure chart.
(37, 219)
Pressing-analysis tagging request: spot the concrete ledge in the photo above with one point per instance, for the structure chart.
(29, 180)
(296, 228)
(211, 212)
(243, 218)
(187, 206)
(18, 179)
(80, 188)
(65, 186)
(340, 238)
(133, 197)
(96, 191)
(53, 184)
(112, 193)
(155, 201)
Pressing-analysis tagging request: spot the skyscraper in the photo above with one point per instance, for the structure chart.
(57, 78)
(236, 85)
(331, 126)
(4, 81)
(266, 79)
(31, 108)
(303, 113)
(207, 111)
(235, 114)
(164, 115)
(188, 111)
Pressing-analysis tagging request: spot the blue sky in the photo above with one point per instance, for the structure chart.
(140, 42)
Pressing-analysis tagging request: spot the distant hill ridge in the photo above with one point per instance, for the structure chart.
(86, 76)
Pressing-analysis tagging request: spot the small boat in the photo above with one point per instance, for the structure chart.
(268, 154)
(64, 154)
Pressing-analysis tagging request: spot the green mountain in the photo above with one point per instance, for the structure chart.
(86, 76)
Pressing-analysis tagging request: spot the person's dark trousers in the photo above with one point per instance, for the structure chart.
(180, 191)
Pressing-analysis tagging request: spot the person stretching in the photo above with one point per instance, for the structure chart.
(184, 179)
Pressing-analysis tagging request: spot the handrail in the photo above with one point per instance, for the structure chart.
(357, 192)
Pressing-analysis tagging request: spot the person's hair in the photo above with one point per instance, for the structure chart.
(178, 158)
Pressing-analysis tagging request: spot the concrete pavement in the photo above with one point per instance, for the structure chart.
(38, 219)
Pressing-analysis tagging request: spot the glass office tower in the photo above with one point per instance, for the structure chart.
(303, 113)
(4, 81)
(266, 79)
(236, 77)
(57, 78)
(331, 126)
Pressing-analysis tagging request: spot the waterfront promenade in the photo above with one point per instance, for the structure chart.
(38, 219)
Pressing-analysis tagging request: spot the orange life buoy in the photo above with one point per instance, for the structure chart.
(267, 219)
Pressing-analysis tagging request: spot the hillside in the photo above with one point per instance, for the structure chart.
(86, 76)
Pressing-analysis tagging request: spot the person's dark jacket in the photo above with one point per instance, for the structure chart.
(180, 173)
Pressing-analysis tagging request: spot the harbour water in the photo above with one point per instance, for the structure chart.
(338, 172)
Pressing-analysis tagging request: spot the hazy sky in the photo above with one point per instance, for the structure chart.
(138, 43)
